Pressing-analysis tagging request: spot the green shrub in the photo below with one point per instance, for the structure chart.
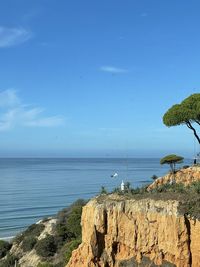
(196, 186)
(143, 189)
(103, 190)
(135, 190)
(68, 225)
(46, 247)
(63, 234)
(154, 177)
(117, 190)
(161, 188)
(127, 187)
(18, 238)
(71, 246)
(185, 167)
(4, 248)
(69, 229)
(180, 188)
(9, 261)
(28, 243)
(73, 225)
(128, 190)
(176, 188)
(191, 206)
(32, 230)
(63, 215)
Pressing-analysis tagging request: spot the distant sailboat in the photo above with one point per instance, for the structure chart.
(114, 175)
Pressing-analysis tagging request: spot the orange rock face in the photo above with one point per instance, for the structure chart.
(116, 231)
(195, 242)
(185, 176)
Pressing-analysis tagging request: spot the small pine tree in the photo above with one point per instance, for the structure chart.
(172, 160)
(154, 177)
(103, 190)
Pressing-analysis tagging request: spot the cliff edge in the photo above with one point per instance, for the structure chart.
(122, 232)
(184, 176)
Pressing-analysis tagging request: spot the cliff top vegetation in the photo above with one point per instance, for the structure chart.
(187, 194)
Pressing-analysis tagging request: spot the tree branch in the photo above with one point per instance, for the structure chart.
(189, 125)
(198, 122)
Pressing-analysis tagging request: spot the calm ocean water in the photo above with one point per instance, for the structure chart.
(31, 189)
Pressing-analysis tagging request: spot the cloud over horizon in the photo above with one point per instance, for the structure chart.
(13, 36)
(113, 70)
(13, 113)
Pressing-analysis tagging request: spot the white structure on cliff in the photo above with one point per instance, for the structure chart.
(122, 186)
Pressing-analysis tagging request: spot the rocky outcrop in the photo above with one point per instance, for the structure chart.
(184, 176)
(119, 232)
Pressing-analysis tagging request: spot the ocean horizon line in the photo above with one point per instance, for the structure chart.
(106, 157)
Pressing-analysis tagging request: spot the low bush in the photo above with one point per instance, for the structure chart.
(191, 207)
(161, 188)
(128, 190)
(135, 190)
(28, 243)
(73, 223)
(185, 167)
(18, 238)
(33, 230)
(103, 190)
(180, 188)
(154, 177)
(46, 247)
(177, 188)
(68, 225)
(127, 186)
(68, 230)
(4, 248)
(117, 190)
(196, 186)
(9, 261)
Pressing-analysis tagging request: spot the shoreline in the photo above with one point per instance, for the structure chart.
(7, 238)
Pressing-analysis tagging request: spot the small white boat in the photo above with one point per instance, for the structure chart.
(114, 175)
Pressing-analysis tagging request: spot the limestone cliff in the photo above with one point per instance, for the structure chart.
(119, 232)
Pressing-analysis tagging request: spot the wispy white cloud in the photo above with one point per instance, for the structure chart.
(14, 113)
(112, 69)
(9, 98)
(13, 36)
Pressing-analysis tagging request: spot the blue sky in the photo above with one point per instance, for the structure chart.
(94, 78)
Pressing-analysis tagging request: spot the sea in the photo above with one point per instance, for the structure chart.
(34, 188)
